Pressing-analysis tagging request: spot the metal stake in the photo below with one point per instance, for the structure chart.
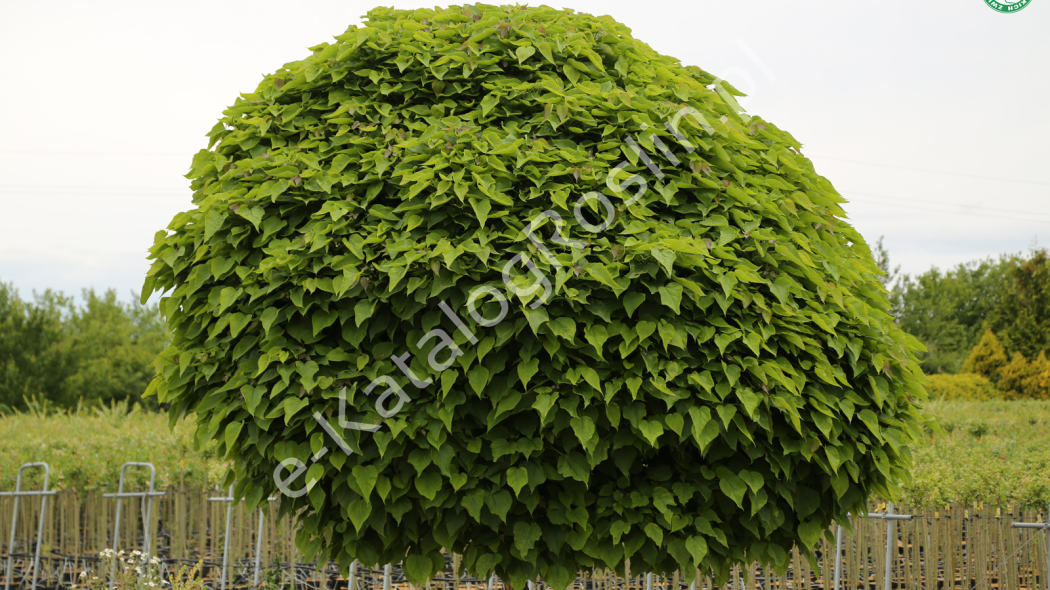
(386, 577)
(648, 582)
(18, 493)
(351, 581)
(226, 539)
(1038, 525)
(838, 556)
(120, 495)
(258, 547)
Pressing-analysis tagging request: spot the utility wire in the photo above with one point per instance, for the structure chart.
(122, 154)
(931, 171)
(943, 204)
(985, 215)
(68, 188)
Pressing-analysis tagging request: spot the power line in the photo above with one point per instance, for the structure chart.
(985, 215)
(931, 171)
(948, 204)
(67, 188)
(81, 153)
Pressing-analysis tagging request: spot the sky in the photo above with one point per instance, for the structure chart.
(931, 117)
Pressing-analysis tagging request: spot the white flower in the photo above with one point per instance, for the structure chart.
(136, 552)
(154, 560)
(152, 585)
(138, 570)
(83, 574)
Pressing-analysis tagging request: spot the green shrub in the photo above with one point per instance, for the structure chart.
(682, 356)
(978, 429)
(961, 387)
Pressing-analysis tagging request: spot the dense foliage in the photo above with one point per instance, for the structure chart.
(63, 353)
(693, 366)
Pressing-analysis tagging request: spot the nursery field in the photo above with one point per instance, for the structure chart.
(86, 448)
(995, 452)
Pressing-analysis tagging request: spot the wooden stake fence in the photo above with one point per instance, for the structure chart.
(957, 548)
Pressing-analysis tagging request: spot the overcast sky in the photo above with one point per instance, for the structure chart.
(932, 117)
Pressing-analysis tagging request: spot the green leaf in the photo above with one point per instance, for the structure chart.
(666, 258)
(697, 548)
(228, 296)
(525, 536)
(631, 301)
(651, 430)
(365, 476)
(644, 329)
(487, 104)
(732, 486)
(428, 484)
(563, 327)
(596, 335)
(292, 405)
(517, 477)
(359, 510)
(363, 310)
(238, 321)
(233, 430)
(418, 569)
(481, 209)
(584, 429)
(671, 296)
(654, 532)
(499, 503)
(478, 377)
(268, 318)
(527, 369)
(543, 404)
(523, 53)
(809, 533)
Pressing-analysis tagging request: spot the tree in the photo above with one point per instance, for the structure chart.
(890, 276)
(62, 353)
(33, 348)
(986, 358)
(1022, 318)
(456, 269)
(946, 310)
(114, 345)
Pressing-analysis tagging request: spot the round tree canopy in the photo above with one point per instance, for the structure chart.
(504, 281)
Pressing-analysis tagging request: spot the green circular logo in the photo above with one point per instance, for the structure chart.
(1007, 6)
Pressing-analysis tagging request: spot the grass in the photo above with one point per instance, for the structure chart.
(86, 448)
(997, 452)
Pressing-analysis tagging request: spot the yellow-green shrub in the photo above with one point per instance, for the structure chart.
(1021, 379)
(961, 387)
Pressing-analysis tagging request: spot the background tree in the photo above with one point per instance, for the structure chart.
(946, 311)
(987, 357)
(890, 276)
(60, 352)
(1022, 317)
(34, 351)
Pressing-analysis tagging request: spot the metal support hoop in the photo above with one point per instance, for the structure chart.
(120, 495)
(18, 493)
